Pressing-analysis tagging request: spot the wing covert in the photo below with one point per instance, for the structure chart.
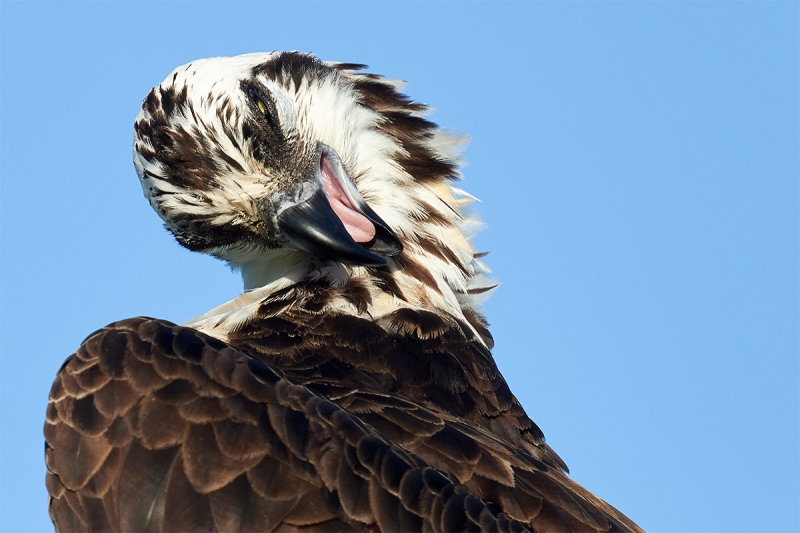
(192, 434)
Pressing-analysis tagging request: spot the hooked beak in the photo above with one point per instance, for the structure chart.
(328, 218)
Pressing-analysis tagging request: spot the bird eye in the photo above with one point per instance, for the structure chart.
(261, 99)
(257, 98)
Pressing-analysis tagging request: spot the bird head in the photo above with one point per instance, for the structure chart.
(234, 155)
(273, 160)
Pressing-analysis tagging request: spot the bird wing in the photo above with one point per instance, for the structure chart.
(157, 427)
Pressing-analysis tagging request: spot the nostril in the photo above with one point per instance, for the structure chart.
(305, 191)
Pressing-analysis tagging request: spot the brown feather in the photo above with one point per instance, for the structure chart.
(274, 444)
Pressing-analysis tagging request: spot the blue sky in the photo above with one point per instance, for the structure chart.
(638, 170)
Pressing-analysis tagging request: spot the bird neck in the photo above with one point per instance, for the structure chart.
(369, 293)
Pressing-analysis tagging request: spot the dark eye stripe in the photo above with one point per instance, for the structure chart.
(263, 104)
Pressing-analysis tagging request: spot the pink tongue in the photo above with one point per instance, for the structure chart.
(357, 225)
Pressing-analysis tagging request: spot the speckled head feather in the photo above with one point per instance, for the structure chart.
(209, 161)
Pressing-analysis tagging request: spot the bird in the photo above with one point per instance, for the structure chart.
(351, 385)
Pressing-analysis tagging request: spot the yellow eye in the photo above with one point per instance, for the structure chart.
(261, 106)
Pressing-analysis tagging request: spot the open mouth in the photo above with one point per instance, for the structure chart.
(360, 228)
(330, 219)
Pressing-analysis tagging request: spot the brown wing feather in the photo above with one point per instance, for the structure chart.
(270, 454)
(157, 427)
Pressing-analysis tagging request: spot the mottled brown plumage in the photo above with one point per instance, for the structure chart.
(303, 421)
(332, 397)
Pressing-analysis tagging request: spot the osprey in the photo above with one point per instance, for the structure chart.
(351, 386)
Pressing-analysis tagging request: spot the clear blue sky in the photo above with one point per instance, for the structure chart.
(638, 170)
